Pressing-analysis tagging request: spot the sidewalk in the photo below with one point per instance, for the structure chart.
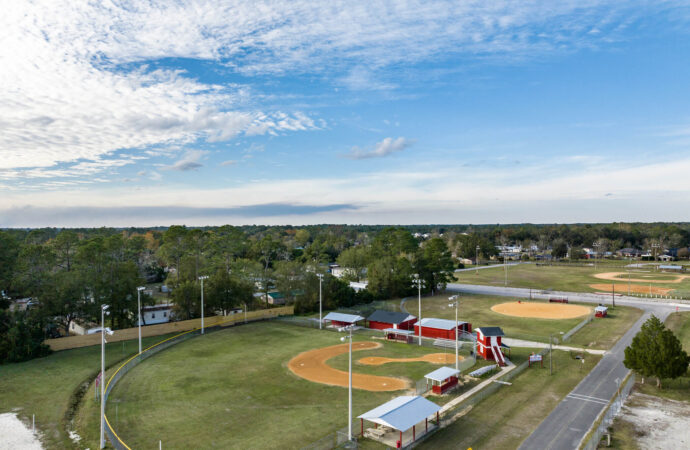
(532, 344)
(451, 404)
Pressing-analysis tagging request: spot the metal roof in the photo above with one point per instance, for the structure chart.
(491, 331)
(601, 308)
(441, 324)
(399, 331)
(402, 413)
(390, 316)
(442, 374)
(341, 317)
(671, 267)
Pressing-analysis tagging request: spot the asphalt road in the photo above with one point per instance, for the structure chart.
(570, 421)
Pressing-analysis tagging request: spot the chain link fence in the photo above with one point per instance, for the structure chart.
(606, 419)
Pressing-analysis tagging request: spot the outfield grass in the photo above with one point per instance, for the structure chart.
(232, 389)
(46, 386)
(476, 309)
(562, 278)
(506, 418)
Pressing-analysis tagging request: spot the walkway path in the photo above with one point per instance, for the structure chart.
(533, 344)
(504, 370)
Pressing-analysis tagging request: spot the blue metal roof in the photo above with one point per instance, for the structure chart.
(441, 324)
(441, 374)
(341, 317)
(402, 413)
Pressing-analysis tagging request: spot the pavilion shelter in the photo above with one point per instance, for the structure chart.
(395, 418)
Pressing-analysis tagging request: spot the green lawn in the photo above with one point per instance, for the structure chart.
(476, 309)
(47, 386)
(232, 389)
(562, 278)
(506, 418)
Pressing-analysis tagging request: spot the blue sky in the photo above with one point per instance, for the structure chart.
(204, 113)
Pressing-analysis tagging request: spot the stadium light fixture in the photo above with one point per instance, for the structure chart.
(202, 278)
(453, 300)
(139, 289)
(349, 403)
(419, 283)
(104, 311)
(320, 275)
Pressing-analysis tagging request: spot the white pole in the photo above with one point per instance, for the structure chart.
(202, 278)
(102, 441)
(320, 302)
(349, 415)
(139, 308)
(33, 423)
(457, 302)
(419, 289)
(505, 266)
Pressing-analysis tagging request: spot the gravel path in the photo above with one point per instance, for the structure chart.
(14, 435)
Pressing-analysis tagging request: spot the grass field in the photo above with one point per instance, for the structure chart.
(232, 389)
(476, 309)
(45, 386)
(561, 278)
(507, 417)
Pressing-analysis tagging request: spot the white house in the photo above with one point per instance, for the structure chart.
(79, 327)
(160, 313)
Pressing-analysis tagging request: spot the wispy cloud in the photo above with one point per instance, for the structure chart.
(190, 161)
(230, 162)
(380, 149)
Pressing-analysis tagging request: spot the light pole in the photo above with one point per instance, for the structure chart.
(139, 289)
(104, 309)
(596, 245)
(550, 351)
(476, 261)
(349, 402)
(419, 283)
(202, 278)
(505, 267)
(320, 275)
(453, 301)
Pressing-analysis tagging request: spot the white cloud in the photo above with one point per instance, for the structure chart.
(190, 161)
(230, 162)
(380, 149)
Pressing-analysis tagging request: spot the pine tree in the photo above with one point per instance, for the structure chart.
(656, 352)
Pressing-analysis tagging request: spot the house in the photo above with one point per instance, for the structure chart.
(441, 328)
(80, 327)
(665, 258)
(278, 298)
(629, 252)
(601, 311)
(489, 345)
(340, 320)
(381, 320)
(160, 313)
(358, 286)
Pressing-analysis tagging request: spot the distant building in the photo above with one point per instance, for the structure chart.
(80, 327)
(160, 313)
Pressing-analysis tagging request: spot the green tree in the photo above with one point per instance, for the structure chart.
(9, 252)
(559, 249)
(434, 264)
(656, 351)
(186, 298)
(175, 246)
(65, 247)
(356, 259)
(225, 292)
(289, 278)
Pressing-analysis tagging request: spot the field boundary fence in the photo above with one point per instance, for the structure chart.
(592, 440)
(135, 360)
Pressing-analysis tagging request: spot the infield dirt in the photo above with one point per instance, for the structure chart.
(311, 365)
(541, 310)
(433, 358)
(623, 276)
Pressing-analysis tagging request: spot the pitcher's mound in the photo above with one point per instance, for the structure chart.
(541, 310)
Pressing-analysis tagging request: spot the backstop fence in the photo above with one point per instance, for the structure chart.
(132, 362)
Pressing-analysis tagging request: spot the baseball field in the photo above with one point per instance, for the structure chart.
(578, 278)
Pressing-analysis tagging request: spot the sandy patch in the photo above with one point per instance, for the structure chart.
(311, 365)
(659, 423)
(623, 276)
(433, 358)
(634, 289)
(541, 310)
(15, 435)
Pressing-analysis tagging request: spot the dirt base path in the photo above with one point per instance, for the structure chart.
(623, 276)
(634, 288)
(311, 365)
(541, 310)
(433, 358)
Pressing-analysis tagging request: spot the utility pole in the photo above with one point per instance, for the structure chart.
(455, 302)
(349, 410)
(419, 283)
(550, 351)
(505, 269)
(476, 261)
(139, 289)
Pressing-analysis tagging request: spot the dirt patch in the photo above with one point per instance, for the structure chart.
(433, 358)
(623, 276)
(634, 288)
(311, 365)
(659, 423)
(15, 435)
(541, 310)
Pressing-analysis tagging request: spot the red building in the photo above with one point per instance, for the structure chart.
(381, 320)
(489, 345)
(340, 320)
(441, 328)
(601, 311)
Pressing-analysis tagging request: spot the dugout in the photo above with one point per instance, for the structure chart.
(442, 380)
